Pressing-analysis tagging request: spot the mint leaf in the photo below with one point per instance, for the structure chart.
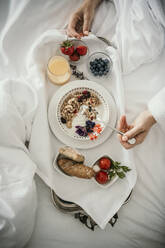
(112, 174)
(120, 174)
(125, 168)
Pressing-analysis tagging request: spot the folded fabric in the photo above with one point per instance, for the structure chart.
(157, 108)
(17, 197)
(18, 104)
(139, 34)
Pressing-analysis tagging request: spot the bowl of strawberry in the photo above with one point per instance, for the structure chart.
(75, 51)
(107, 171)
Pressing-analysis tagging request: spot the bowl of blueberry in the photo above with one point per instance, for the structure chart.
(99, 65)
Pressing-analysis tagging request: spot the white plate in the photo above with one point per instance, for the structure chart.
(80, 119)
(54, 120)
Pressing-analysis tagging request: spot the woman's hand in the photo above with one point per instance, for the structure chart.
(80, 21)
(138, 129)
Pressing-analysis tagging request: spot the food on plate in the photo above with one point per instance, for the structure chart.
(81, 50)
(71, 153)
(99, 67)
(106, 169)
(105, 163)
(72, 104)
(75, 169)
(58, 70)
(67, 47)
(96, 168)
(74, 56)
(71, 162)
(102, 177)
(90, 129)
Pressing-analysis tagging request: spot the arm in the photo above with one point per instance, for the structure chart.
(80, 21)
(157, 108)
(141, 126)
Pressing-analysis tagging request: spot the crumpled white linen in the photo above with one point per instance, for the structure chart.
(18, 104)
(146, 198)
(133, 25)
(156, 107)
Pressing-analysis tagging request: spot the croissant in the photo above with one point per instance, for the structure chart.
(77, 170)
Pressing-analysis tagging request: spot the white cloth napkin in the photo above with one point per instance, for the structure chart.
(101, 204)
(18, 104)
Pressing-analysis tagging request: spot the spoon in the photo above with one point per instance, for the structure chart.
(130, 141)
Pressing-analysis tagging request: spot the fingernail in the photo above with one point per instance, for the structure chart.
(124, 138)
(86, 32)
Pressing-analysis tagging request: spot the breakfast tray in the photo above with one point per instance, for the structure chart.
(79, 213)
(70, 207)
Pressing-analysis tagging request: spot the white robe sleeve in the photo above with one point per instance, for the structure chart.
(157, 107)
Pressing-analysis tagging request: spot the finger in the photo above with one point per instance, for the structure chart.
(133, 132)
(121, 123)
(126, 145)
(140, 137)
(87, 23)
(71, 31)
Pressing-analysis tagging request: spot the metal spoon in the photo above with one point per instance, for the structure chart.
(130, 141)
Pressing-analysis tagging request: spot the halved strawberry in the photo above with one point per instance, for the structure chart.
(81, 50)
(67, 47)
(75, 56)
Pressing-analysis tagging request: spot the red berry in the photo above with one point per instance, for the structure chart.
(85, 92)
(81, 50)
(105, 163)
(67, 48)
(102, 177)
(74, 57)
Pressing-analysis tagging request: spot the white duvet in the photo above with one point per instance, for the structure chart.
(138, 32)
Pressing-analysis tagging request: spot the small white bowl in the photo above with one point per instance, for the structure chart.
(82, 59)
(109, 183)
(98, 55)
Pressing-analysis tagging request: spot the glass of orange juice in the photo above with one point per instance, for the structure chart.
(58, 70)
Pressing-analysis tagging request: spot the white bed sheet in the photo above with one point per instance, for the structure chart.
(142, 222)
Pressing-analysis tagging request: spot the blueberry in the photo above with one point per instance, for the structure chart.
(63, 120)
(106, 61)
(96, 73)
(100, 73)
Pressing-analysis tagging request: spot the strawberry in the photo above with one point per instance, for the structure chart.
(67, 47)
(81, 50)
(74, 57)
(102, 177)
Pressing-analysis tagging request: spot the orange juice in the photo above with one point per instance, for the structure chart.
(58, 70)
